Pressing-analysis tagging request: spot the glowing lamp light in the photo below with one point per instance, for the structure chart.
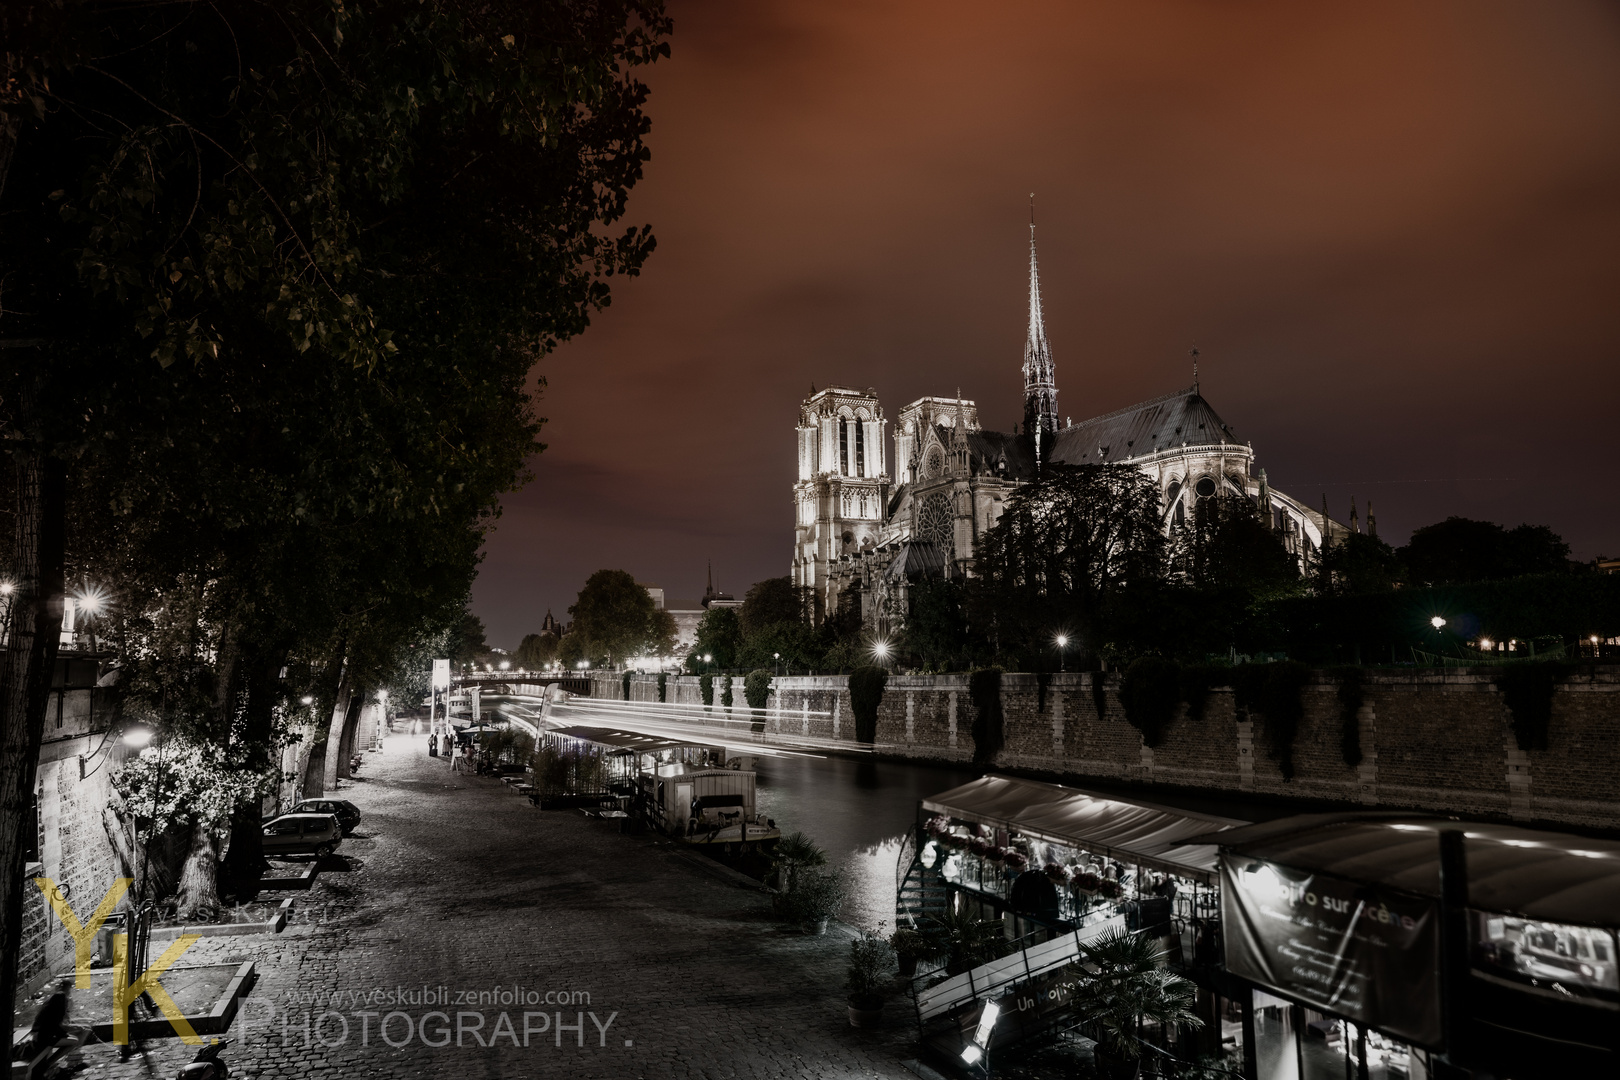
(972, 1054)
(506, 665)
(137, 737)
(881, 650)
(91, 601)
(987, 1023)
(307, 699)
(6, 588)
(707, 658)
(1437, 622)
(1063, 641)
(1485, 643)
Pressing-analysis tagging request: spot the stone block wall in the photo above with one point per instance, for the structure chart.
(1439, 741)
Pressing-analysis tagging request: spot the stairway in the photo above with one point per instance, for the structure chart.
(921, 892)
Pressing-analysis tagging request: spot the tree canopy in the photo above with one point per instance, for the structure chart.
(616, 618)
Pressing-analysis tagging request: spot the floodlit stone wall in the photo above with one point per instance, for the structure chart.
(1439, 741)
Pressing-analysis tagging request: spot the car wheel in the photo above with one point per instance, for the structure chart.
(325, 849)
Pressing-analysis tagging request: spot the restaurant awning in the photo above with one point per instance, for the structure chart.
(1555, 877)
(1125, 829)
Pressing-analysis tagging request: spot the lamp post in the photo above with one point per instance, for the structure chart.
(1063, 646)
(778, 657)
(881, 651)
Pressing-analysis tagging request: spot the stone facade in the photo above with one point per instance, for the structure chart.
(1432, 741)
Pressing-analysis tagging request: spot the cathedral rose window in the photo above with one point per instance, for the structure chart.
(934, 521)
(1206, 487)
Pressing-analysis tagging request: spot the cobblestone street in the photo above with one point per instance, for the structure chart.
(458, 887)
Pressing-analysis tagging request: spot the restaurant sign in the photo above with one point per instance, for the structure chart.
(1341, 946)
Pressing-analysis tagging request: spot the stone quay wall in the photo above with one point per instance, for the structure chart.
(1431, 740)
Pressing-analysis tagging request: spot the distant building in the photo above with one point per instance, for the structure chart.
(863, 532)
(656, 593)
(713, 599)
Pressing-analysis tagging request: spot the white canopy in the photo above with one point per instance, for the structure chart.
(1123, 829)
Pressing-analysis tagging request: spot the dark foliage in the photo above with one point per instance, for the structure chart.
(663, 686)
(1350, 699)
(984, 690)
(1527, 690)
(1359, 564)
(1043, 679)
(625, 683)
(1149, 692)
(865, 695)
(706, 688)
(1460, 550)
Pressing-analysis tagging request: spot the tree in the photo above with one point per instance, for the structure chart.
(535, 651)
(616, 617)
(1460, 550)
(1359, 564)
(1224, 546)
(1066, 545)
(719, 634)
(336, 240)
(936, 627)
(772, 602)
(470, 647)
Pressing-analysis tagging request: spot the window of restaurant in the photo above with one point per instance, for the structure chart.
(1293, 1042)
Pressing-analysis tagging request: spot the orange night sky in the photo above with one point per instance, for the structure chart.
(1392, 230)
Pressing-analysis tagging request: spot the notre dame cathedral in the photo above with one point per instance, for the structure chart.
(859, 526)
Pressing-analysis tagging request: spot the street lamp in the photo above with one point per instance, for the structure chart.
(1063, 645)
(778, 657)
(506, 665)
(1437, 622)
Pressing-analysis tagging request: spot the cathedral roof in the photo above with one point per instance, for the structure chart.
(916, 559)
(1179, 419)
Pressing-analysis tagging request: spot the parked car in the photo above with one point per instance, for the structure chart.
(346, 812)
(302, 834)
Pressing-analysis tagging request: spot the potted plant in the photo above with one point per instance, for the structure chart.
(793, 854)
(937, 826)
(869, 960)
(816, 898)
(1123, 988)
(1085, 883)
(1056, 873)
(980, 846)
(1015, 861)
(1110, 889)
(911, 947)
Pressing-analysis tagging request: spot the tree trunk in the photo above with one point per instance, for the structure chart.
(245, 863)
(334, 734)
(198, 896)
(351, 722)
(34, 630)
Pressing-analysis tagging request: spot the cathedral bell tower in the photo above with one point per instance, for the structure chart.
(1040, 380)
(843, 486)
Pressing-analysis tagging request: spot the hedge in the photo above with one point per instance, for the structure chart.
(865, 695)
(706, 688)
(984, 690)
(757, 688)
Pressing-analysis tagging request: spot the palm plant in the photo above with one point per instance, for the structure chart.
(967, 940)
(1124, 989)
(793, 853)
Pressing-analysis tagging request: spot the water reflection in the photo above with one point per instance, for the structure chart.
(858, 810)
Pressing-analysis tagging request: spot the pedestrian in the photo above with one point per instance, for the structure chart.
(457, 757)
(433, 744)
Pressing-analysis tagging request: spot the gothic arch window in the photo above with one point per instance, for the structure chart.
(843, 445)
(1205, 487)
(934, 521)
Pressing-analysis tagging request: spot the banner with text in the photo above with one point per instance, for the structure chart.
(1356, 950)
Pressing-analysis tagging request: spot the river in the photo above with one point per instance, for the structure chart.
(857, 810)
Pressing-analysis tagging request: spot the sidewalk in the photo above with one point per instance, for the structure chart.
(469, 916)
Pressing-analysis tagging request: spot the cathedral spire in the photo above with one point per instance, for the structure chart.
(1040, 386)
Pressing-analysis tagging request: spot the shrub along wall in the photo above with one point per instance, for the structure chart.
(1433, 740)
